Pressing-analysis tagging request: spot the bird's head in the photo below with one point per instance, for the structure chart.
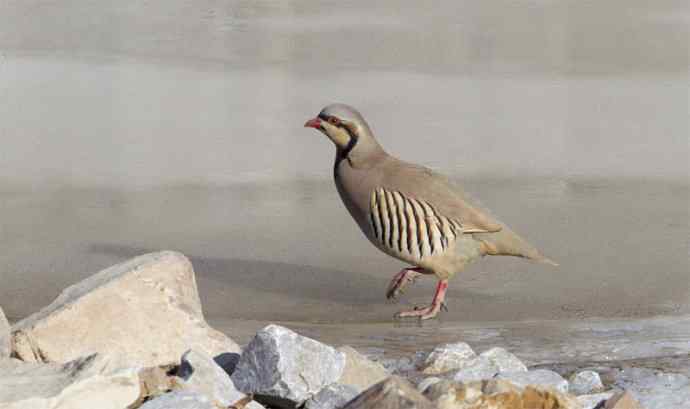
(346, 128)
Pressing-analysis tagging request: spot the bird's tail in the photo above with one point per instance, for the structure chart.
(508, 243)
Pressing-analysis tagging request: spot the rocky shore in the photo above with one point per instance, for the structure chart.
(134, 336)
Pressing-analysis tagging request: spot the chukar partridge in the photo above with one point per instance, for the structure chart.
(409, 212)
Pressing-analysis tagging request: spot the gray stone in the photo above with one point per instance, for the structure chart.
(655, 389)
(593, 400)
(538, 377)
(144, 312)
(427, 382)
(360, 372)
(585, 382)
(405, 364)
(286, 368)
(5, 345)
(476, 369)
(332, 397)
(626, 400)
(393, 393)
(180, 400)
(504, 360)
(198, 372)
(446, 358)
(84, 383)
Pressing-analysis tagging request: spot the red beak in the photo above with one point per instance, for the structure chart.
(313, 123)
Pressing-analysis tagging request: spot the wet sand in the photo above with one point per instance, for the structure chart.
(290, 252)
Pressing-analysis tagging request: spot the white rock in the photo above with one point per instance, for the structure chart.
(476, 369)
(180, 400)
(5, 346)
(81, 384)
(198, 372)
(585, 382)
(448, 357)
(144, 312)
(427, 382)
(592, 401)
(360, 372)
(286, 368)
(504, 360)
(332, 397)
(538, 377)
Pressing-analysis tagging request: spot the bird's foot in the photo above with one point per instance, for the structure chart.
(400, 281)
(422, 313)
(431, 311)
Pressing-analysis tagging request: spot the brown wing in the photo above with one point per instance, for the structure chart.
(423, 184)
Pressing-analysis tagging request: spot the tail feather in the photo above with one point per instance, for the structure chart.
(508, 243)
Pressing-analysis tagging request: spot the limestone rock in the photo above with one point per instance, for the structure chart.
(284, 368)
(538, 377)
(496, 394)
(624, 400)
(427, 382)
(198, 372)
(144, 312)
(594, 400)
(5, 347)
(405, 364)
(333, 396)
(393, 393)
(504, 360)
(654, 389)
(360, 372)
(476, 369)
(155, 381)
(84, 383)
(448, 357)
(585, 382)
(180, 400)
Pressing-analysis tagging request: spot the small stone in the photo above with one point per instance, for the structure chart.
(5, 346)
(504, 360)
(393, 393)
(624, 400)
(538, 377)
(448, 357)
(360, 372)
(427, 382)
(496, 394)
(594, 400)
(332, 397)
(284, 368)
(476, 369)
(84, 383)
(198, 372)
(585, 382)
(144, 312)
(180, 400)
(405, 364)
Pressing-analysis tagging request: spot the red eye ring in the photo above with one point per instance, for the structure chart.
(333, 121)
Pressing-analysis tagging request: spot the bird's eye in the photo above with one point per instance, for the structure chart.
(334, 121)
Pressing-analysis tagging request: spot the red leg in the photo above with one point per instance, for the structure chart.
(402, 279)
(432, 310)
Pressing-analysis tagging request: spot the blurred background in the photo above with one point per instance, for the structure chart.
(134, 126)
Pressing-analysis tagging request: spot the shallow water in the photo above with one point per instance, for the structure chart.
(291, 252)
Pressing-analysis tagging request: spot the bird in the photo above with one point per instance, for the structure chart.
(410, 212)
